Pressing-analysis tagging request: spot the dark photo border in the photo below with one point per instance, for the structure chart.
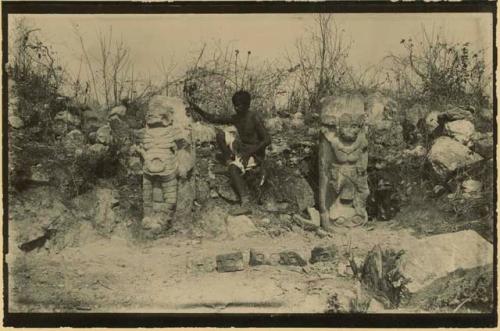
(234, 320)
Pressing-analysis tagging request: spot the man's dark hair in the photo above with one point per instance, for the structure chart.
(242, 98)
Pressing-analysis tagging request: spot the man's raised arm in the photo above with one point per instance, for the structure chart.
(216, 119)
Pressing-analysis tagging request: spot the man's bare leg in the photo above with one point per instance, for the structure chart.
(239, 185)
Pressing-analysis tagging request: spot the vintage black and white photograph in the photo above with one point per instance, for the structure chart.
(328, 163)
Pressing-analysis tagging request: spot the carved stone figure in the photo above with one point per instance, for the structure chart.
(343, 161)
(166, 157)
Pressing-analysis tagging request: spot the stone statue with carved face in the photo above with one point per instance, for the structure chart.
(163, 145)
(343, 161)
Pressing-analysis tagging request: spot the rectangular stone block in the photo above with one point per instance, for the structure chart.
(323, 254)
(230, 262)
(291, 258)
(258, 258)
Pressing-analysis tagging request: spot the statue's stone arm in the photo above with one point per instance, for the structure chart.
(363, 160)
(325, 159)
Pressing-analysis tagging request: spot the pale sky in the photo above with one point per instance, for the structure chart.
(268, 36)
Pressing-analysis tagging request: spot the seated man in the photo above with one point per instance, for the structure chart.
(243, 148)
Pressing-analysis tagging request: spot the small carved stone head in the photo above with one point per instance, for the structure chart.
(345, 113)
(349, 126)
(159, 113)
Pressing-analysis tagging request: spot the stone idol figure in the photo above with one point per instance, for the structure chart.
(167, 155)
(343, 161)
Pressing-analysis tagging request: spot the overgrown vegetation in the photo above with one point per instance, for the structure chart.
(429, 74)
(436, 72)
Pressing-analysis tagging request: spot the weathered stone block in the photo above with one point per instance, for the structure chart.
(258, 258)
(291, 258)
(323, 254)
(230, 262)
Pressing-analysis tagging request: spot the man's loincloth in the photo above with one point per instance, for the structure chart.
(232, 141)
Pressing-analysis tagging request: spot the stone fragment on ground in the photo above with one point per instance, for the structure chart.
(291, 258)
(230, 262)
(448, 155)
(323, 254)
(259, 258)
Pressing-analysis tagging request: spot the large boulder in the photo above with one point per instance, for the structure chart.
(448, 155)
(430, 258)
(398, 274)
(461, 130)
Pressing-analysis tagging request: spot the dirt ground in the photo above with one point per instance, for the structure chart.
(177, 274)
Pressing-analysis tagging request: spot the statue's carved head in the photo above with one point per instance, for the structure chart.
(345, 113)
(159, 112)
(349, 126)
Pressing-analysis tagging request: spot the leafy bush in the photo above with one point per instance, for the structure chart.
(436, 72)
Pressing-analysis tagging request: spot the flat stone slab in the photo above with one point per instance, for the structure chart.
(230, 262)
